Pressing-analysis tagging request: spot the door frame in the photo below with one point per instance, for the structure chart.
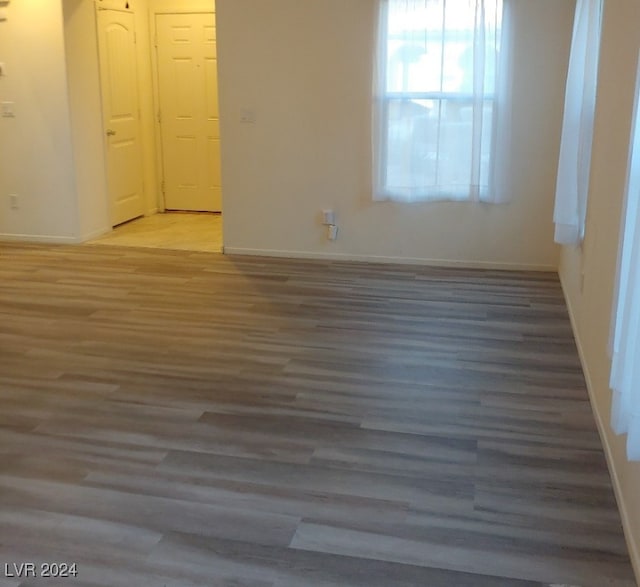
(127, 7)
(159, 7)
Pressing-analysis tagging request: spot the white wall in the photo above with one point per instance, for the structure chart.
(36, 146)
(86, 117)
(306, 73)
(591, 304)
(304, 68)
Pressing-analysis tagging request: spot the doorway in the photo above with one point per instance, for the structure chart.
(182, 118)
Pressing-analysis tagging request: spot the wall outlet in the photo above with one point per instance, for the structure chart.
(13, 201)
(332, 232)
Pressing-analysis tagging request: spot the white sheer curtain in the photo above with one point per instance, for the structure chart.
(577, 129)
(625, 366)
(439, 100)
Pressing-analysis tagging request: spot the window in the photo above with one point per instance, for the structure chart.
(436, 99)
(577, 128)
(625, 365)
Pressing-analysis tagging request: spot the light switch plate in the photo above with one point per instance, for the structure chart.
(247, 116)
(6, 108)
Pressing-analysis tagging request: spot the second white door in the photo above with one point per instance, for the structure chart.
(188, 98)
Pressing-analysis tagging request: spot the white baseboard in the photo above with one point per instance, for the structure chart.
(632, 543)
(95, 234)
(383, 259)
(40, 238)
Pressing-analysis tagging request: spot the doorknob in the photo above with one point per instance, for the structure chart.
(110, 133)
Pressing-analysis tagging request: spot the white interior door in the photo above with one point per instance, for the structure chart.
(189, 119)
(117, 39)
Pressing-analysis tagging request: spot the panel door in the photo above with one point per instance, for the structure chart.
(189, 119)
(120, 101)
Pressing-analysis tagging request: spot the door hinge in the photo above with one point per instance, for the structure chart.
(159, 116)
(162, 187)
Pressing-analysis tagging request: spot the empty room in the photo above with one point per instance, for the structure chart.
(319, 293)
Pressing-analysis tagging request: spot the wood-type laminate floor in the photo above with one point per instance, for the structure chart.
(175, 419)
